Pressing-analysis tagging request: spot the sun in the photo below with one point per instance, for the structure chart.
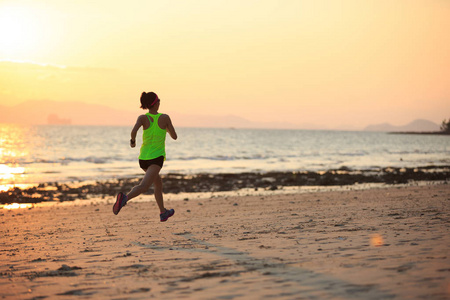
(19, 31)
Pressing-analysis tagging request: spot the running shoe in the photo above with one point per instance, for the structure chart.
(166, 215)
(120, 202)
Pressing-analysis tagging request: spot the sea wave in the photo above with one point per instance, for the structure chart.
(87, 152)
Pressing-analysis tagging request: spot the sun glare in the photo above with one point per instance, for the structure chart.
(17, 206)
(13, 149)
(7, 172)
(19, 30)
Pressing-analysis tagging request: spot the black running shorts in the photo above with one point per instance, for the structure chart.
(145, 164)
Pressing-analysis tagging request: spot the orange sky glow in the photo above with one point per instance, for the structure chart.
(336, 64)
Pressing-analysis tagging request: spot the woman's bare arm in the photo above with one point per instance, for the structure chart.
(169, 126)
(134, 131)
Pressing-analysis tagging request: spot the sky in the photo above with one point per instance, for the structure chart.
(335, 64)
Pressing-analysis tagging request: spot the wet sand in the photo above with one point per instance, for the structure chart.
(212, 183)
(389, 243)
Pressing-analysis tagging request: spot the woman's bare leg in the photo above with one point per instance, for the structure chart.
(150, 176)
(157, 184)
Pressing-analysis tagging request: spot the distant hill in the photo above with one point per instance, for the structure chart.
(40, 112)
(54, 112)
(415, 126)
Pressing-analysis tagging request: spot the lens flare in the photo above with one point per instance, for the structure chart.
(376, 240)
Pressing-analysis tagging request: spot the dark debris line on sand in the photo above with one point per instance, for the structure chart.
(179, 183)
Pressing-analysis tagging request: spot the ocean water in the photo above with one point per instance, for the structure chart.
(37, 154)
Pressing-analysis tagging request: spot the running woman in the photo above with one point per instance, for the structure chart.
(152, 154)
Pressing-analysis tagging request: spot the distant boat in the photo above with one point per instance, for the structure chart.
(53, 119)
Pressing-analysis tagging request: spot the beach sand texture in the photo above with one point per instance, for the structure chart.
(390, 243)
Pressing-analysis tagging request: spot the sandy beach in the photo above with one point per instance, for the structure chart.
(390, 243)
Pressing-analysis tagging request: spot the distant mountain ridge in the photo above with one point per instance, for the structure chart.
(39, 112)
(419, 125)
(55, 112)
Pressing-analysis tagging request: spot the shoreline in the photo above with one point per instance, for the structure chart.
(177, 184)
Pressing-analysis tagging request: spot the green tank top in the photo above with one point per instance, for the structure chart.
(153, 140)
